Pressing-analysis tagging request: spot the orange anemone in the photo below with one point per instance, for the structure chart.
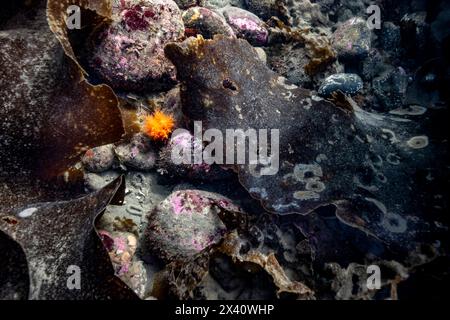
(159, 125)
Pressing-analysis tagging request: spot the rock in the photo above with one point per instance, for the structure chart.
(440, 27)
(390, 38)
(263, 8)
(185, 223)
(172, 105)
(136, 278)
(184, 4)
(246, 25)
(261, 54)
(96, 181)
(352, 39)
(139, 153)
(348, 83)
(301, 13)
(206, 22)
(98, 159)
(373, 65)
(142, 194)
(129, 53)
(390, 88)
(219, 4)
(121, 247)
(172, 163)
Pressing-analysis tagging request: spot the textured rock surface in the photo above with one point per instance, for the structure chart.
(174, 159)
(99, 159)
(129, 54)
(352, 40)
(186, 223)
(384, 172)
(198, 20)
(138, 153)
(246, 25)
(390, 88)
(263, 8)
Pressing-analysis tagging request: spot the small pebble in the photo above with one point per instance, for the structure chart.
(99, 159)
(139, 153)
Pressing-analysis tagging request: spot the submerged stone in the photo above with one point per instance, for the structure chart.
(99, 159)
(129, 53)
(206, 22)
(348, 83)
(352, 40)
(246, 25)
(185, 223)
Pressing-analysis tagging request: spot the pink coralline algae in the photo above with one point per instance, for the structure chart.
(246, 25)
(128, 54)
(187, 222)
(177, 159)
(121, 248)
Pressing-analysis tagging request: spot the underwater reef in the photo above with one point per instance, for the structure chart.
(121, 160)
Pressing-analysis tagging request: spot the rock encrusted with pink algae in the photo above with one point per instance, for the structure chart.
(129, 53)
(121, 247)
(139, 153)
(198, 20)
(352, 39)
(246, 25)
(187, 222)
(176, 159)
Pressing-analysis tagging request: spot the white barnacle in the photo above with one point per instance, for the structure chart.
(315, 185)
(306, 195)
(282, 81)
(413, 110)
(394, 223)
(301, 170)
(321, 157)
(393, 139)
(27, 212)
(392, 158)
(418, 142)
(307, 104)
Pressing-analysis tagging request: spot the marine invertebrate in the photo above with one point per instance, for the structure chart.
(159, 125)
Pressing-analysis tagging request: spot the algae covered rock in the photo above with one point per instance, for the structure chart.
(187, 222)
(129, 53)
